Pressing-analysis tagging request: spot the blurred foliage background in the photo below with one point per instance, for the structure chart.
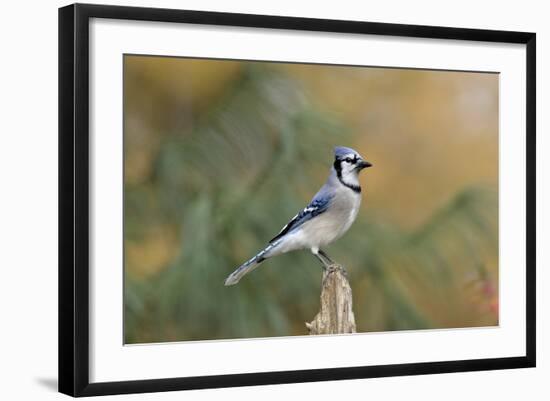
(219, 155)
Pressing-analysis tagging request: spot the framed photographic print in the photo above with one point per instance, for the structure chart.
(251, 199)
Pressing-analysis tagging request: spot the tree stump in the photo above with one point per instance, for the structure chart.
(336, 313)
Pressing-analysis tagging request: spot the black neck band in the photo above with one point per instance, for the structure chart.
(353, 187)
(338, 168)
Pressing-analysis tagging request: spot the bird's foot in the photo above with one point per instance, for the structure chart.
(335, 267)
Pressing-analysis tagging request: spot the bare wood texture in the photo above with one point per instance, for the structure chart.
(336, 313)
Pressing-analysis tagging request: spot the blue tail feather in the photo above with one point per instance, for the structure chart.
(250, 264)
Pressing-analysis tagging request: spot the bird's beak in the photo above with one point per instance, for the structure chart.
(363, 164)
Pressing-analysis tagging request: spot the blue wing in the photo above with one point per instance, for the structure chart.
(318, 205)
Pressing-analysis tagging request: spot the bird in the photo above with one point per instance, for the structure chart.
(329, 214)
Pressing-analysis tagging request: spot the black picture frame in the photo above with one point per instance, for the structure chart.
(74, 198)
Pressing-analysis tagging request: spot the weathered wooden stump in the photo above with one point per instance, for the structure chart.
(336, 313)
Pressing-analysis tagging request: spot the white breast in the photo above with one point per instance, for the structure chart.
(350, 202)
(355, 202)
(333, 223)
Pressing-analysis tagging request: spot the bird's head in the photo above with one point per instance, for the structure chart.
(348, 163)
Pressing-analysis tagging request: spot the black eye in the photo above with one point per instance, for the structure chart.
(348, 159)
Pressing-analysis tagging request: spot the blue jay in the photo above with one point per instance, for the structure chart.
(327, 217)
